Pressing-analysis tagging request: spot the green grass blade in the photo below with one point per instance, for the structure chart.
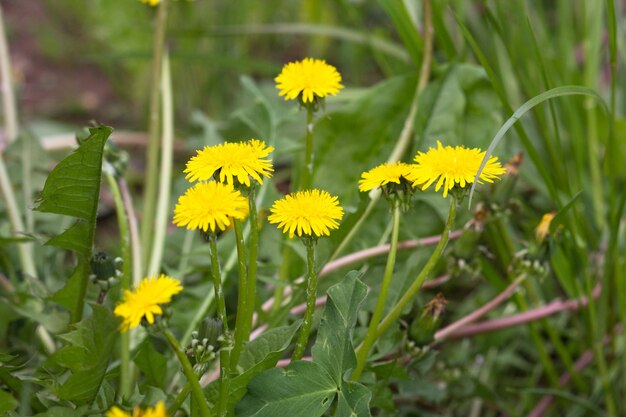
(567, 90)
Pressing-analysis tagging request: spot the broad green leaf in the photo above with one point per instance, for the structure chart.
(73, 186)
(458, 107)
(333, 347)
(359, 136)
(258, 355)
(303, 389)
(72, 189)
(151, 363)
(87, 355)
(353, 400)
(73, 238)
(7, 402)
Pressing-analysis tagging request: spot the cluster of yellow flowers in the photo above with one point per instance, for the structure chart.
(222, 172)
(449, 166)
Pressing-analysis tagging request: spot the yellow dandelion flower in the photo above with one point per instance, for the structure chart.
(384, 174)
(543, 228)
(309, 78)
(158, 411)
(151, 2)
(232, 160)
(452, 167)
(210, 205)
(145, 300)
(310, 212)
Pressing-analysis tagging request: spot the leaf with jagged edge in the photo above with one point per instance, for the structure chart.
(73, 189)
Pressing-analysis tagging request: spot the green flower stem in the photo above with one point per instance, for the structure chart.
(126, 373)
(192, 378)
(370, 337)
(311, 291)
(307, 169)
(252, 260)
(222, 410)
(305, 183)
(397, 310)
(221, 315)
(178, 401)
(283, 275)
(242, 297)
(217, 282)
(152, 174)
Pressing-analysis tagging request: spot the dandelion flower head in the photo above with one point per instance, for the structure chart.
(384, 174)
(145, 300)
(158, 411)
(308, 213)
(151, 2)
(210, 205)
(232, 160)
(452, 166)
(310, 78)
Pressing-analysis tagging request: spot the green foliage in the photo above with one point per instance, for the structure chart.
(258, 356)
(86, 356)
(72, 189)
(494, 64)
(309, 388)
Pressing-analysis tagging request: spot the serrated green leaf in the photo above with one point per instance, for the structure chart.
(303, 389)
(90, 346)
(69, 294)
(72, 189)
(73, 238)
(258, 355)
(73, 186)
(333, 347)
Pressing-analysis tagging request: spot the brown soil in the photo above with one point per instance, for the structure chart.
(46, 88)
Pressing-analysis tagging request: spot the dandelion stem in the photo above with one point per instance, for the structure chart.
(221, 315)
(397, 310)
(196, 389)
(252, 260)
(178, 401)
(125, 389)
(217, 282)
(242, 297)
(370, 337)
(307, 169)
(311, 290)
(152, 176)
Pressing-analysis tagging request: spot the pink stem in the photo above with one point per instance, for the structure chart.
(580, 364)
(320, 301)
(476, 314)
(361, 256)
(521, 318)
